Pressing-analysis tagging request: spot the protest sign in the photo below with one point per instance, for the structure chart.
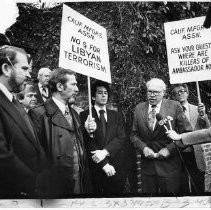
(83, 46)
(188, 46)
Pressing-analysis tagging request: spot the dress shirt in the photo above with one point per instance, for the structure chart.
(6, 92)
(157, 109)
(97, 108)
(41, 89)
(187, 111)
(60, 105)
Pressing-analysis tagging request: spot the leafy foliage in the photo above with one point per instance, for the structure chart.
(136, 41)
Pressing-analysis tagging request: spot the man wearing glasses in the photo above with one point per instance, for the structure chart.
(161, 164)
(193, 156)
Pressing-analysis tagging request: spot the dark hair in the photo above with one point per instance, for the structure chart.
(8, 54)
(31, 88)
(184, 85)
(96, 84)
(59, 76)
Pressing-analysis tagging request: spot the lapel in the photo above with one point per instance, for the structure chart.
(56, 115)
(39, 96)
(144, 114)
(16, 116)
(163, 110)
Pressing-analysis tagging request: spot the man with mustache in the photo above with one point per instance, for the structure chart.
(21, 155)
(60, 134)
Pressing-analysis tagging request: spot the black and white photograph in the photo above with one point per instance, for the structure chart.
(105, 104)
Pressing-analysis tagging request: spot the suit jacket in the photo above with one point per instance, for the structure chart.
(39, 95)
(142, 136)
(198, 123)
(21, 155)
(54, 130)
(113, 142)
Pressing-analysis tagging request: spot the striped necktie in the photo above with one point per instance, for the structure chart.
(151, 118)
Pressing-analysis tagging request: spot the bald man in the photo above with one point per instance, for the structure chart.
(42, 89)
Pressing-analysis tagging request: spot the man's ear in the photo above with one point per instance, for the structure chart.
(60, 86)
(6, 69)
(93, 98)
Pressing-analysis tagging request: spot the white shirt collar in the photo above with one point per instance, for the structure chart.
(6, 92)
(186, 105)
(158, 106)
(61, 106)
(39, 85)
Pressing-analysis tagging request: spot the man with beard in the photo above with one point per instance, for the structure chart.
(60, 134)
(21, 156)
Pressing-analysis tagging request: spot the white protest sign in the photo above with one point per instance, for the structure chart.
(189, 50)
(83, 46)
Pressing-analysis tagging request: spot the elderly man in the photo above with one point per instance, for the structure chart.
(192, 179)
(161, 164)
(28, 97)
(60, 132)
(21, 155)
(43, 91)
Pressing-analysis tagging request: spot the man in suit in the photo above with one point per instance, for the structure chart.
(42, 88)
(105, 145)
(21, 155)
(193, 156)
(28, 96)
(161, 164)
(60, 134)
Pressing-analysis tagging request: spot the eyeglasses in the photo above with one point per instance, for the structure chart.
(180, 92)
(102, 92)
(156, 93)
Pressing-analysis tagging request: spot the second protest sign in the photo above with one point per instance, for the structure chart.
(189, 50)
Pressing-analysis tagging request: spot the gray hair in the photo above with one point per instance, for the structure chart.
(157, 81)
(41, 71)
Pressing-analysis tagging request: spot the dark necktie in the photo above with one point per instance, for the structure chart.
(151, 117)
(184, 108)
(103, 121)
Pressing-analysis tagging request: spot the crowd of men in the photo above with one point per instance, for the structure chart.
(49, 148)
